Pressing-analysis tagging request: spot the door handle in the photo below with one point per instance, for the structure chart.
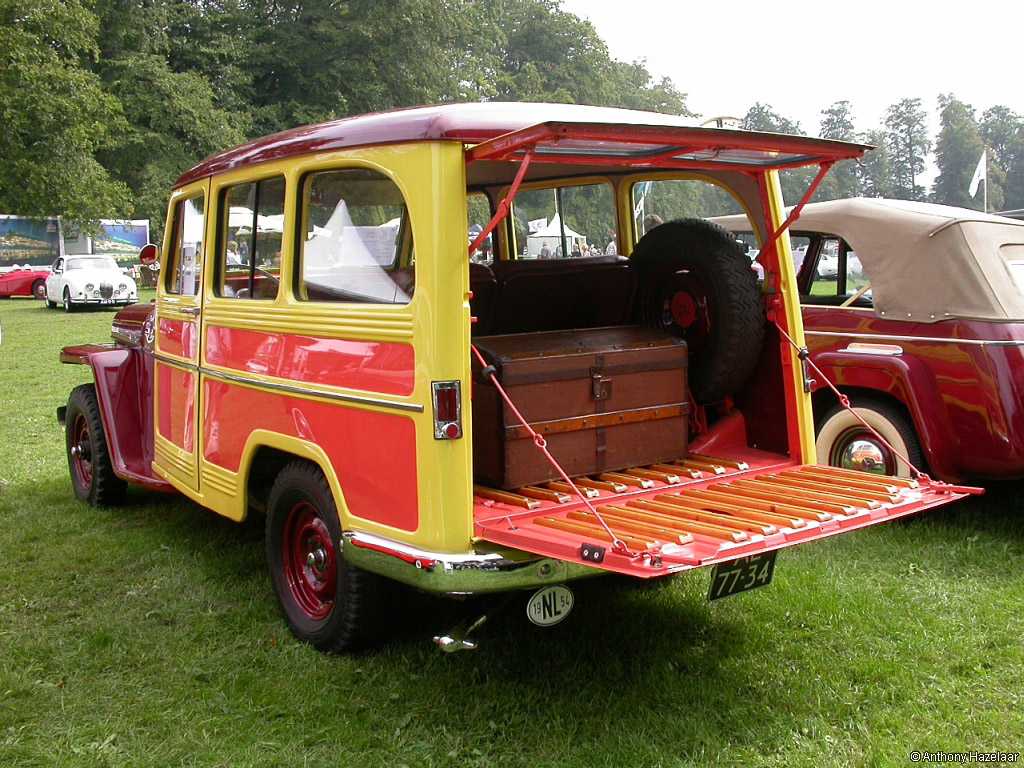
(189, 310)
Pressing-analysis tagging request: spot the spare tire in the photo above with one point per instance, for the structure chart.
(695, 281)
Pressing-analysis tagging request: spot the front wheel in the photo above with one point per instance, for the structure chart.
(92, 471)
(844, 442)
(328, 603)
(68, 305)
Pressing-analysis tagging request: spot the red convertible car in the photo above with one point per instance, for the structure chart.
(916, 312)
(30, 281)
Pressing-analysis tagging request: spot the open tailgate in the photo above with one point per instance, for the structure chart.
(726, 513)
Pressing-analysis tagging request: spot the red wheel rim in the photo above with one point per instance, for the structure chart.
(310, 561)
(81, 451)
(687, 309)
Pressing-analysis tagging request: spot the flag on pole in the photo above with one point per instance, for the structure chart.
(979, 174)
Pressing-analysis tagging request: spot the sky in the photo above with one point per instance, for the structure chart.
(799, 56)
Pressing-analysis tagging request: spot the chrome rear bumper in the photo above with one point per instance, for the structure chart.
(456, 574)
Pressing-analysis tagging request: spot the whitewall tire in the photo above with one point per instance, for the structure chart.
(843, 441)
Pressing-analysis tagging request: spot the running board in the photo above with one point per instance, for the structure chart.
(678, 526)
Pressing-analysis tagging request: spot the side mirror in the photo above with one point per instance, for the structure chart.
(149, 254)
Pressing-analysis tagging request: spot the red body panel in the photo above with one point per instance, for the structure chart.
(176, 414)
(373, 454)
(178, 337)
(966, 398)
(19, 282)
(123, 377)
(384, 367)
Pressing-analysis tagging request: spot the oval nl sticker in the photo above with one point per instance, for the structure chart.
(548, 606)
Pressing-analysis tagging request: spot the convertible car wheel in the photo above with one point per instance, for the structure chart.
(328, 603)
(844, 442)
(39, 289)
(92, 472)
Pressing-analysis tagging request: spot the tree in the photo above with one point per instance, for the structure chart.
(908, 144)
(761, 117)
(55, 115)
(874, 174)
(842, 181)
(1002, 130)
(957, 151)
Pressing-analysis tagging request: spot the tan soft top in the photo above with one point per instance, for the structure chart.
(925, 262)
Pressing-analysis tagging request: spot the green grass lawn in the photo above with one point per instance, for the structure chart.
(148, 635)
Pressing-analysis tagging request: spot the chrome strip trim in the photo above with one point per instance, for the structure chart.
(163, 358)
(311, 391)
(928, 339)
(886, 350)
(291, 388)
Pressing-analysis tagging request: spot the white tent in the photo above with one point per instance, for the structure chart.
(551, 235)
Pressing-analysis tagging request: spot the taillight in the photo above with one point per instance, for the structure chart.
(447, 410)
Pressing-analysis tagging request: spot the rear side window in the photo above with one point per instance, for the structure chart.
(185, 265)
(355, 241)
(565, 222)
(249, 239)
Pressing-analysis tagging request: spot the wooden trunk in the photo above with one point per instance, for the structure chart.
(604, 398)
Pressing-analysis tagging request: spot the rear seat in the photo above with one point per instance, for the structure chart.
(550, 295)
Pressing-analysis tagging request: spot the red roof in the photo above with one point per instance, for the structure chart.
(469, 123)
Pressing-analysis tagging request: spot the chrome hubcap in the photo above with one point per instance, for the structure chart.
(864, 455)
(317, 559)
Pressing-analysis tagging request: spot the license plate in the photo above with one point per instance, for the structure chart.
(741, 575)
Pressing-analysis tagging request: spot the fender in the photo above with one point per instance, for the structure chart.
(908, 381)
(124, 387)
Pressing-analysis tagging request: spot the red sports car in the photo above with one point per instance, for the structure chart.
(30, 281)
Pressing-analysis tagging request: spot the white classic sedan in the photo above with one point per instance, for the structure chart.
(76, 281)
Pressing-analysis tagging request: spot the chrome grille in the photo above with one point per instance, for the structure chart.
(106, 290)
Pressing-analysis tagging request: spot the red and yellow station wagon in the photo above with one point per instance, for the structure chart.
(563, 396)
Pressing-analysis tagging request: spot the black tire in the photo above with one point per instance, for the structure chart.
(68, 306)
(837, 428)
(724, 325)
(51, 304)
(349, 612)
(92, 471)
(39, 289)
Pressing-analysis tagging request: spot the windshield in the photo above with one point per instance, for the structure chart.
(93, 262)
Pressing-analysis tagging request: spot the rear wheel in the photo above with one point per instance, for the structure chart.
(328, 603)
(92, 472)
(844, 442)
(39, 289)
(696, 282)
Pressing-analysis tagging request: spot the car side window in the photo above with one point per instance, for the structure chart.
(355, 239)
(185, 261)
(478, 209)
(825, 280)
(249, 239)
(856, 279)
(565, 222)
(58, 265)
